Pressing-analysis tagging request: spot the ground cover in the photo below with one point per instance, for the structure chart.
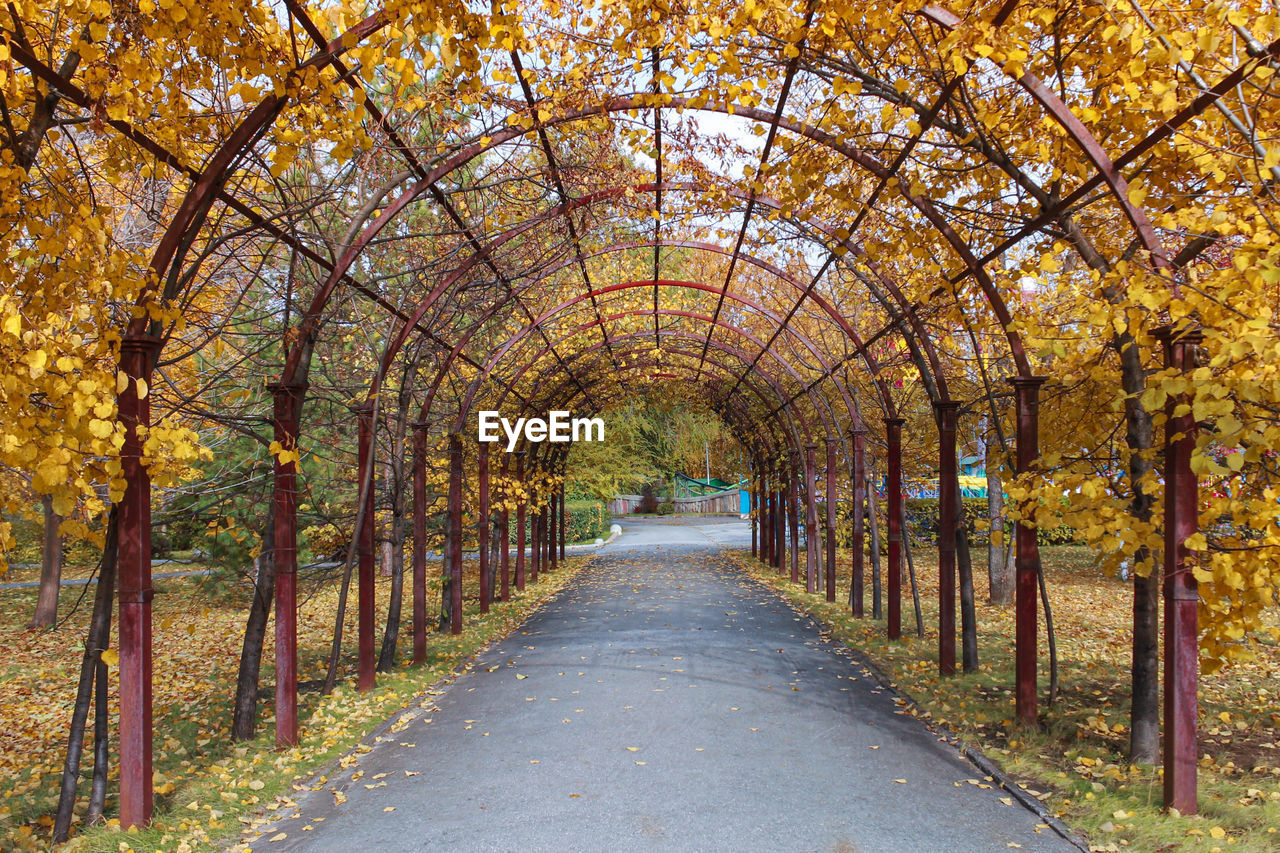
(1076, 761)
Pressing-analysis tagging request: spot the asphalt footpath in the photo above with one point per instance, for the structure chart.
(663, 702)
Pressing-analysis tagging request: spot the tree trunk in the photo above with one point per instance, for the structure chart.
(968, 612)
(911, 571)
(1144, 713)
(1000, 565)
(95, 644)
(46, 613)
(877, 607)
(244, 709)
(393, 551)
(101, 748)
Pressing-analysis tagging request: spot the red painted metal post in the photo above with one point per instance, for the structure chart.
(1027, 562)
(794, 514)
(454, 512)
(486, 582)
(553, 528)
(893, 490)
(780, 520)
(948, 513)
(813, 539)
(287, 399)
(563, 526)
(504, 530)
(765, 533)
(857, 493)
(419, 543)
(364, 548)
(755, 510)
(521, 521)
(1181, 596)
(535, 542)
(831, 518)
(137, 356)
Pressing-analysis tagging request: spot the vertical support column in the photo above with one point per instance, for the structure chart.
(813, 539)
(753, 504)
(455, 534)
(287, 400)
(486, 579)
(793, 513)
(521, 519)
(1026, 390)
(535, 542)
(893, 490)
(553, 526)
(830, 491)
(419, 543)
(1181, 649)
(364, 546)
(563, 526)
(137, 356)
(504, 530)
(948, 494)
(858, 493)
(780, 519)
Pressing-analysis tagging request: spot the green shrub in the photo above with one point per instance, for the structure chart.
(667, 508)
(586, 520)
(922, 518)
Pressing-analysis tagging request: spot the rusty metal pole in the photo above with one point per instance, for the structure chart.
(753, 504)
(893, 491)
(419, 543)
(535, 538)
(482, 474)
(780, 520)
(553, 527)
(364, 547)
(504, 530)
(455, 534)
(765, 533)
(563, 526)
(1181, 596)
(137, 357)
(521, 519)
(793, 513)
(813, 539)
(287, 399)
(948, 513)
(831, 519)
(858, 492)
(1026, 589)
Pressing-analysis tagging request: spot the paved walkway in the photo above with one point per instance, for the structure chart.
(664, 703)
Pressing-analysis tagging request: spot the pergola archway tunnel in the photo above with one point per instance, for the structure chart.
(819, 220)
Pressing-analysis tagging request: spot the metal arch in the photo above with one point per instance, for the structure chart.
(497, 356)
(1089, 145)
(380, 19)
(440, 290)
(738, 418)
(776, 441)
(828, 419)
(813, 348)
(458, 348)
(768, 378)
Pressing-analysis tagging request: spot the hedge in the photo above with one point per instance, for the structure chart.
(586, 520)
